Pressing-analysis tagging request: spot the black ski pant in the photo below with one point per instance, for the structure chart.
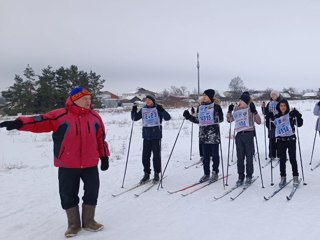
(245, 150)
(283, 146)
(200, 150)
(208, 151)
(273, 148)
(154, 147)
(69, 184)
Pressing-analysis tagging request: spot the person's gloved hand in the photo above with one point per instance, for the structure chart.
(253, 108)
(193, 111)
(104, 163)
(186, 114)
(159, 108)
(319, 103)
(230, 108)
(271, 115)
(10, 125)
(295, 113)
(263, 107)
(134, 108)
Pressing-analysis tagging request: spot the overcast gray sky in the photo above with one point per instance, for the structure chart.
(153, 44)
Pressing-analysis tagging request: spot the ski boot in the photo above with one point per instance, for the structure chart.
(204, 178)
(283, 182)
(145, 178)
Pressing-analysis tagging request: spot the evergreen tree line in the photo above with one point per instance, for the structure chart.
(33, 93)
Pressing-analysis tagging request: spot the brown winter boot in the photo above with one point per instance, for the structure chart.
(88, 222)
(74, 225)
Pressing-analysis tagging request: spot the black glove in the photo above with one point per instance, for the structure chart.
(253, 108)
(295, 114)
(271, 115)
(10, 125)
(263, 108)
(134, 108)
(104, 163)
(319, 103)
(186, 114)
(159, 108)
(193, 111)
(230, 108)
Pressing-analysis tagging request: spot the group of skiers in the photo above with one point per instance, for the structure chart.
(79, 143)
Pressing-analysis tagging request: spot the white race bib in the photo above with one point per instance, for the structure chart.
(150, 117)
(206, 115)
(273, 107)
(283, 126)
(241, 118)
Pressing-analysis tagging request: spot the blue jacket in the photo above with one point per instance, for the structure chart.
(151, 133)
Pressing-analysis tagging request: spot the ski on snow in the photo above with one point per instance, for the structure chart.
(294, 189)
(244, 189)
(148, 188)
(227, 192)
(276, 191)
(184, 188)
(205, 184)
(315, 167)
(193, 164)
(129, 189)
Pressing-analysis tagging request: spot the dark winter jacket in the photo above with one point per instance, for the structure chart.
(78, 135)
(210, 134)
(268, 109)
(151, 133)
(293, 121)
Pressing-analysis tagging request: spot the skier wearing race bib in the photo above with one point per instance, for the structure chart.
(316, 111)
(209, 116)
(285, 122)
(152, 115)
(244, 115)
(269, 111)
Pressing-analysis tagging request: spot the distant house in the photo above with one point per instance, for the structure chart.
(310, 95)
(109, 100)
(285, 95)
(141, 93)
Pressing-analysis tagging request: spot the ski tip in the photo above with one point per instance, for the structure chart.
(288, 198)
(266, 198)
(113, 195)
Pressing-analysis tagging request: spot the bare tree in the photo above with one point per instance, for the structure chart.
(236, 84)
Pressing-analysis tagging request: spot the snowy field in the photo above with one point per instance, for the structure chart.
(30, 204)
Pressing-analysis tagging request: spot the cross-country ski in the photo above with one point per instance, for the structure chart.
(244, 188)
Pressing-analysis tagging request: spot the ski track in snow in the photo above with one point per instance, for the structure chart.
(30, 205)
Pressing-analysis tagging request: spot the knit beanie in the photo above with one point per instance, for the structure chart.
(78, 93)
(245, 97)
(210, 93)
(275, 92)
(152, 98)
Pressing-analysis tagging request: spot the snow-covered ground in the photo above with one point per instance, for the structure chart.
(30, 205)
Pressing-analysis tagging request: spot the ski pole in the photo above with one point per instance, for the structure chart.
(233, 140)
(165, 168)
(228, 154)
(314, 141)
(264, 131)
(255, 135)
(125, 169)
(224, 185)
(304, 183)
(271, 159)
(191, 141)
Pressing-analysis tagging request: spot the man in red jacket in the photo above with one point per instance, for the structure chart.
(79, 142)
